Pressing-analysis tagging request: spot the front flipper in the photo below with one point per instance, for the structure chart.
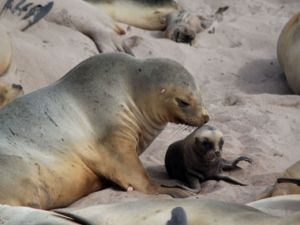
(227, 179)
(232, 165)
(178, 217)
(289, 180)
(179, 184)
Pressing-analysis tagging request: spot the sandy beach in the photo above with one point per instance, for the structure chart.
(235, 64)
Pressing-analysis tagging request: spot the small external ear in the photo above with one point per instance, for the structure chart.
(205, 23)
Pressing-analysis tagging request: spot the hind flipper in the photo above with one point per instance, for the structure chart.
(232, 165)
(289, 180)
(228, 180)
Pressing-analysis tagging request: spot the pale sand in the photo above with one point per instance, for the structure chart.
(236, 67)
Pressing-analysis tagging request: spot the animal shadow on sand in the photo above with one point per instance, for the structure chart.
(262, 76)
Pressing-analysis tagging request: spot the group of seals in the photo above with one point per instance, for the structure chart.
(198, 158)
(64, 141)
(288, 52)
(99, 25)
(161, 212)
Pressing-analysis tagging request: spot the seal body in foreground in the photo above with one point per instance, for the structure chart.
(159, 212)
(198, 158)
(288, 52)
(57, 144)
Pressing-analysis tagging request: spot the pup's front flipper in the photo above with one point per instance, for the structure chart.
(232, 165)
(180, 184)
(228, 180)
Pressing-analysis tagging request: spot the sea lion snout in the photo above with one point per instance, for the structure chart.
(205, 115)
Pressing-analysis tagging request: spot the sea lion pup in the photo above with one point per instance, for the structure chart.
(178, 24)
(288, 52)
(287, 183)
(198, 158)
(61, 142)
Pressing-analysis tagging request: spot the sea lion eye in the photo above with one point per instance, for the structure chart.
(181, 103)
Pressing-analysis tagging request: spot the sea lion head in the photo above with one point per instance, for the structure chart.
(182, 26)
(9, 92)
(208, 143)
(170, 93)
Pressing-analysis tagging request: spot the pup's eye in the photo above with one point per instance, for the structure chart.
(206, 144)
(181, 103)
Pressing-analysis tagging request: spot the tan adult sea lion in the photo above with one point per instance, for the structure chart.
(177, 23)
(61, 142)
(288, 52)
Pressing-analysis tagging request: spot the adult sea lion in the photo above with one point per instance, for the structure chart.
(61, 142)
(198, 158)
(179, 24)
(160, 211)
(288, 52)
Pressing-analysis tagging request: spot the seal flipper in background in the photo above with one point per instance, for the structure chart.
(232, 165)
(289, 180)
(25, 11)
(178, 217)
(72, 217)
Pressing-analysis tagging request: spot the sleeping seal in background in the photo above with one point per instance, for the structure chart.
(177, 23)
